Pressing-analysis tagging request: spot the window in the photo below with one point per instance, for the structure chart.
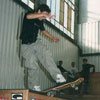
(64, 11)
(29, 3)
(61, 17)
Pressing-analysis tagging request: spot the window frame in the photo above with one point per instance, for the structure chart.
(60, 22)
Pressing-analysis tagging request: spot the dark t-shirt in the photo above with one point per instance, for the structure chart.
(86, 70)
(61, 69)
(30, 29)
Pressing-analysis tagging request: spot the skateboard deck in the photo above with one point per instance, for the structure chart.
(64, 86)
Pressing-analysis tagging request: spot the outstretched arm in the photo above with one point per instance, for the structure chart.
(51, 37)
(92, 66)
(42, 15)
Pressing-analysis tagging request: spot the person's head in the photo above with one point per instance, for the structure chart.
(60, 62)
(73, 64)
(85, 60)
(43, 8)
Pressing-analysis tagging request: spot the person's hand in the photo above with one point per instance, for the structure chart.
(47, 15)
(51, 16)
(55, 39)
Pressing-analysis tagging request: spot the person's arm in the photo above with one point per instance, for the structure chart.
(92, 66)
(51, 37)
(42, 15)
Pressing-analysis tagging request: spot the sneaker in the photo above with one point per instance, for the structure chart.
(60, 78)
(36, 88)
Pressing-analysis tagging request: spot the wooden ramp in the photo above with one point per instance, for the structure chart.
(24, 95)
(94, 89)
(95, 84)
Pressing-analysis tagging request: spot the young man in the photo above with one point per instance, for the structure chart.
(63, 70)
(34, 51)
(72, 76)
(60, 63)
(72, 72)
(86, 74)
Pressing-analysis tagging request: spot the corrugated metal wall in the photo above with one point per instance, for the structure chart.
(89, 37)
(89, 42)
(11, 73)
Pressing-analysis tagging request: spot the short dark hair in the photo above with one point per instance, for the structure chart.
(43, 7)
(72, 62)
(60, 62)
(85, 59)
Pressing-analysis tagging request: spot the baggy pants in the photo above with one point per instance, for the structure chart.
(34, 53)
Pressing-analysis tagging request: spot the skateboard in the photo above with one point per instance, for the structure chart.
(52, 91)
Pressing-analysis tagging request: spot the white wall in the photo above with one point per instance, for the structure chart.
(89, 10)
(89, 29)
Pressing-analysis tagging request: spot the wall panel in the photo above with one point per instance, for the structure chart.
(89, 31)
(11, 74)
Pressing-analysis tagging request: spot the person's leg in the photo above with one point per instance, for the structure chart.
(86, 85)
(45, 58)
(33, 79)
(31, 63)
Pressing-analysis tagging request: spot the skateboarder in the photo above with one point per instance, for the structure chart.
(34, 51)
